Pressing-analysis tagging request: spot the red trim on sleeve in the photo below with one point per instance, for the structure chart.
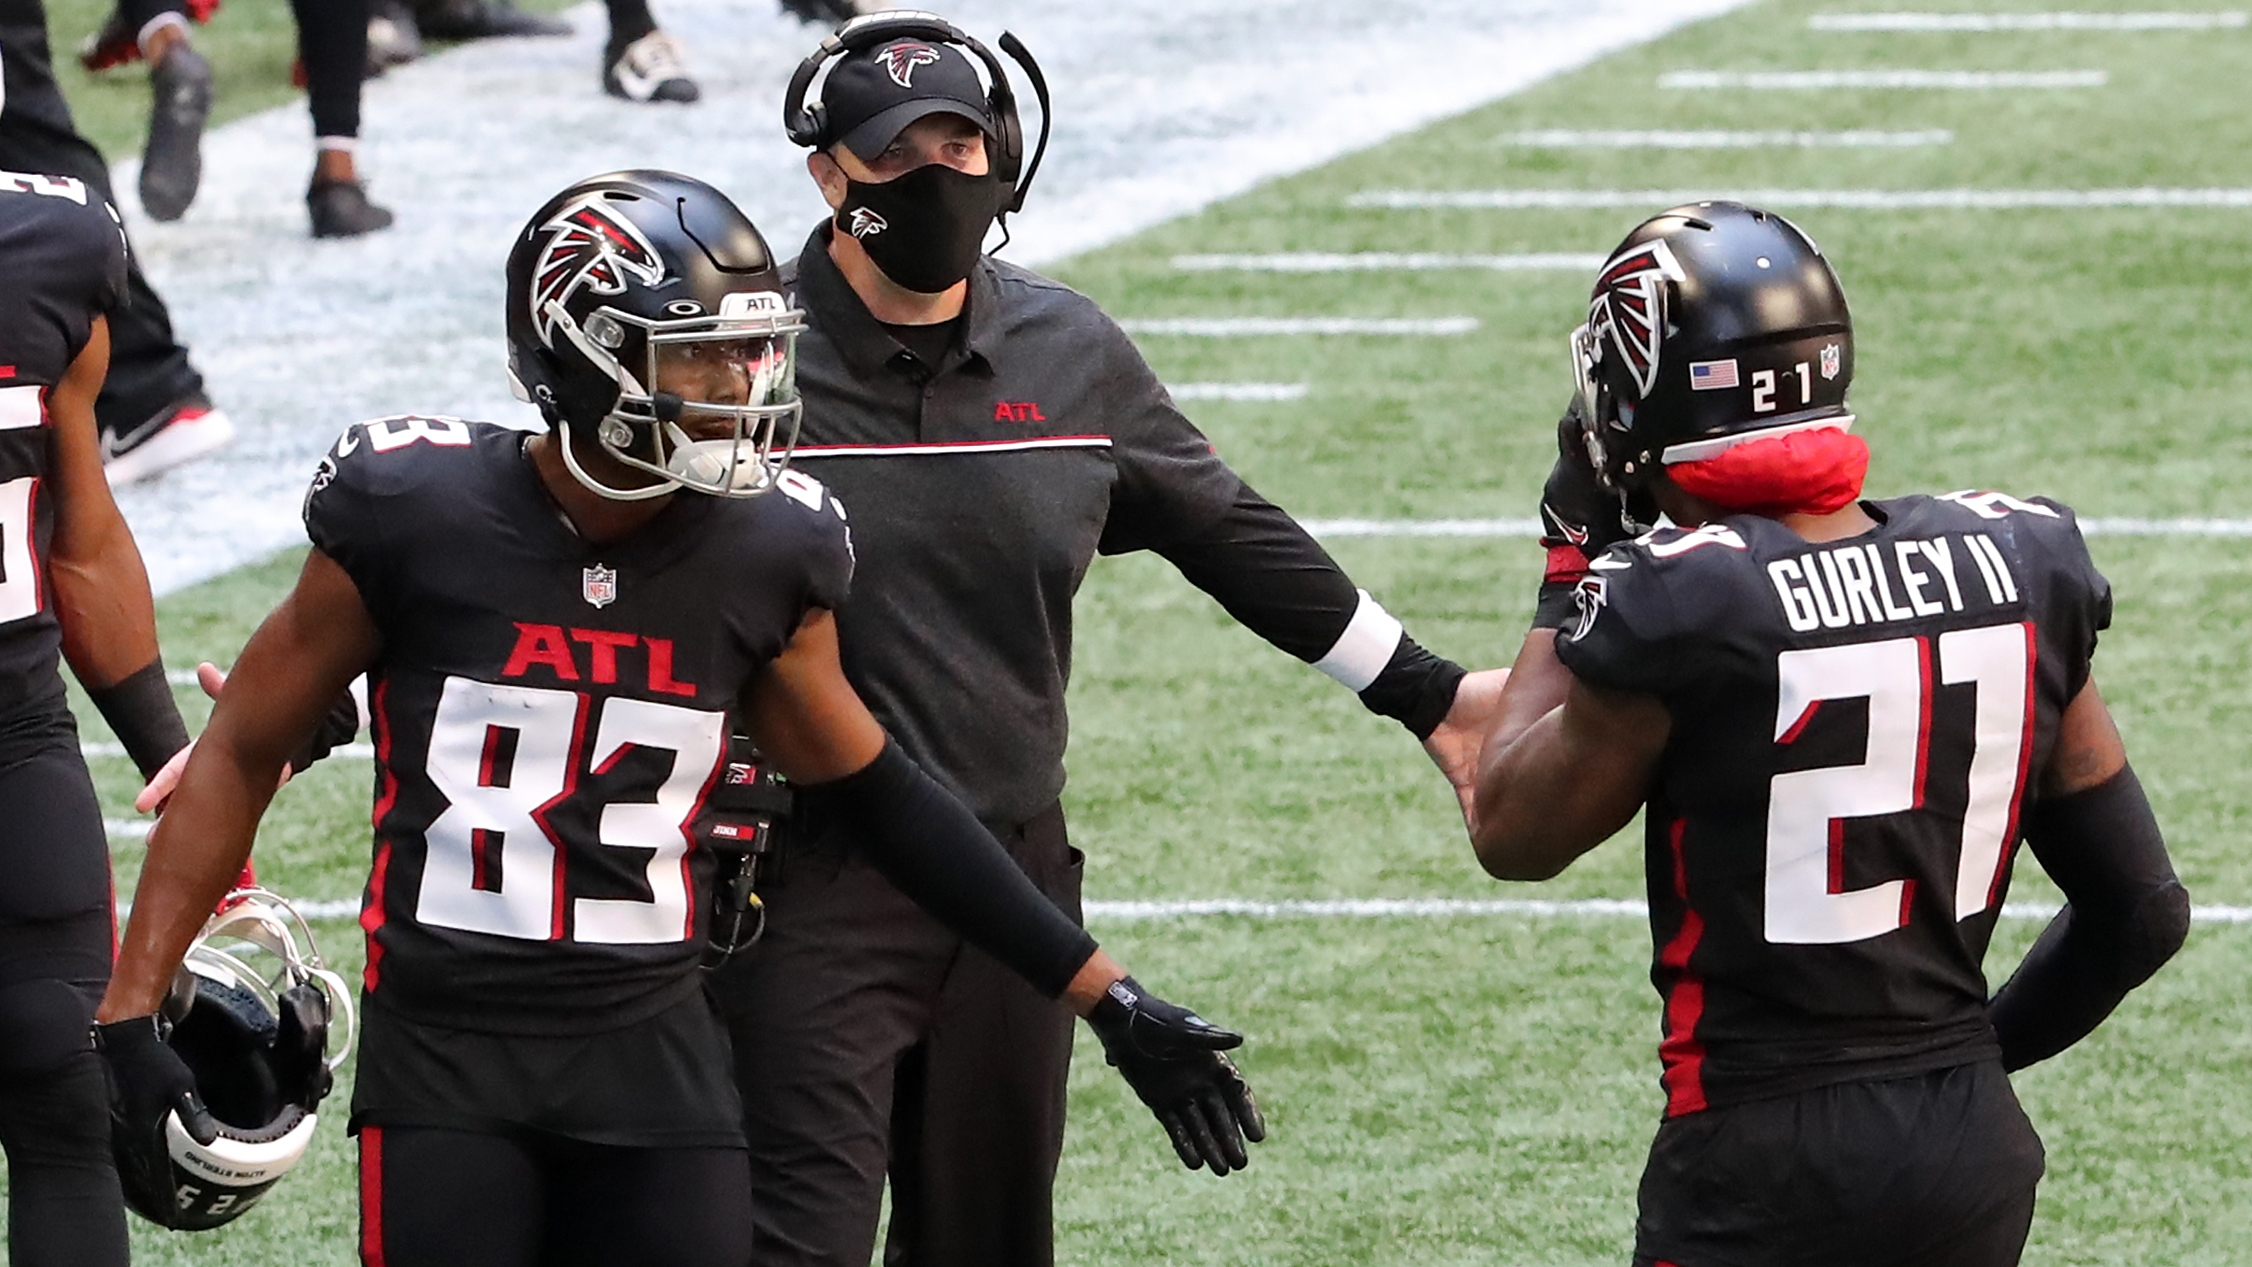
(1682, 1054)
(1566, 564)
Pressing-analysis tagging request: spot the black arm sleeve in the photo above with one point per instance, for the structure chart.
(140, 708)
(1276, 580)
(2125, 915)
(929, 844)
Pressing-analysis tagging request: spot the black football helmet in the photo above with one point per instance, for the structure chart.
(644, 312)
(1710, 324)
(255, 1017)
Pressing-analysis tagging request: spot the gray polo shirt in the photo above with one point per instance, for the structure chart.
(979, 492)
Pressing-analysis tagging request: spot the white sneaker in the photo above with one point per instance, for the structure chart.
(649, 69)
(187, 432)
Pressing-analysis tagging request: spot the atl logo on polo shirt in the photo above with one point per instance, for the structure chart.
(1018, 411)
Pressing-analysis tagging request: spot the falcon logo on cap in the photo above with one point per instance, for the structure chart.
(901, 59)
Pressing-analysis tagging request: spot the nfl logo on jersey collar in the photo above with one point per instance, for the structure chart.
(599, 585)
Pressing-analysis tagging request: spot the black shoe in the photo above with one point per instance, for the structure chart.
(481, 20)
(648, 69)
(393, 37)
(831, 12)
(172, 165)
(341, 210)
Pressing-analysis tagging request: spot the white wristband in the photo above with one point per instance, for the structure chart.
(1361, 652)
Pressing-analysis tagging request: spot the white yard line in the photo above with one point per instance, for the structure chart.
(1378, 908)
(1567, 139)
(2026, 21)
(1248, 327)
(1384, 262)
(1237, 391)
(355, 751)
(1844, 199)
(2095, 527)
(1460, 908)
(1912, 80)
(1163, 107)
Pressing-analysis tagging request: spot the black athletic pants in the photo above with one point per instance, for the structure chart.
(148, 369)
(1933, 1170)
(64, 1205)
(332, 41)
(450, 1198)
(867, 1036)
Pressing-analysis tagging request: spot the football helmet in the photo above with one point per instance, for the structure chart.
(254, 1015)
(1711, 324)
(645, 315)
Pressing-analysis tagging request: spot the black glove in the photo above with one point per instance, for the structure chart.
(1579, 518)
(1171, 1057)
(147, 1080)
(339, 726)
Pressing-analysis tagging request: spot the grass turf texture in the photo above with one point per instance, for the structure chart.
(1481, 1090)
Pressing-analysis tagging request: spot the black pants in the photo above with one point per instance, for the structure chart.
(148, 369)
(64, 1205)
(869, 1037)
(450, 1198)
(1934, 1170)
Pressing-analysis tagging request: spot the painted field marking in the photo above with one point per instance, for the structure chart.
(127, 828)
(1242, 327)
(1384, 261)
(2026, 21)
(2094, 527)
(180, 677)
(1915, 80)
(103, 748)
(1457, 908)
(1379, 908)
(1847, 199)
(1565, 139)
(1237, 391)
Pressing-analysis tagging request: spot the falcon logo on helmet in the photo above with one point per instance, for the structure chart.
(1628, 311)
(591, 250)
(901, 59)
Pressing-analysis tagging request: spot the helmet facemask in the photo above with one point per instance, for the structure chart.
(705, 403)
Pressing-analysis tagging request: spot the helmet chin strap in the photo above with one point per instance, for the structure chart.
(597, 487)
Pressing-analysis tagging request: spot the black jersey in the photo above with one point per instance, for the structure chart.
(549, 717)
(62, 264)
(1855, 728)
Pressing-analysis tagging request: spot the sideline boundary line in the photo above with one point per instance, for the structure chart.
(1912, 80)
(1385, 262)
(1376, 908)
(1844, 199)
(1248, 327)
(1576, 139)
(2097, 526)
(2145, 21)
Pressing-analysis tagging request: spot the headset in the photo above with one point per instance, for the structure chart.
(808, 124)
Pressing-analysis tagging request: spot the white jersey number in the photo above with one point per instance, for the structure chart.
(1805, 898)
(503, 756)
(19, 564)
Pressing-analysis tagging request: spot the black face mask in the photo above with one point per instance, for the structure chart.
(925, 230)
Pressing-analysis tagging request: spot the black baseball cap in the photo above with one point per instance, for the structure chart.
(872, 95)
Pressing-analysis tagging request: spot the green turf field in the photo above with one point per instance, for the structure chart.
(1480, 1090)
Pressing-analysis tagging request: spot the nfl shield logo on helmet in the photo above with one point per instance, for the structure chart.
(599, 585)
(1830, 360)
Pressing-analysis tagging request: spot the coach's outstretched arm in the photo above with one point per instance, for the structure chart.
(808, 720)
(2125, 912)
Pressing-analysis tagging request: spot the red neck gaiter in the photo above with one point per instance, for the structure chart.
(1798, 472)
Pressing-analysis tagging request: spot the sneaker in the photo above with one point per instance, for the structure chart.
(172, 165)
(649, 69)
(481, 20)
(341, 209)
(183, 432)
(119, 42)
(831, 12)
(393, 37)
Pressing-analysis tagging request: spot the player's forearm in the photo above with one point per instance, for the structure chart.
(929, 845)
(101, 596)
(194, 854)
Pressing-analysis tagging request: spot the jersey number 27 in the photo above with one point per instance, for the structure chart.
(1806, 809)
